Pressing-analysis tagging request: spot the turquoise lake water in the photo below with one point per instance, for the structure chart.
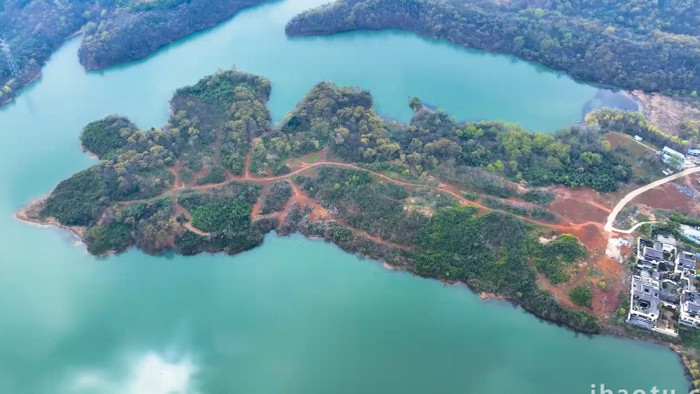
(294, 315)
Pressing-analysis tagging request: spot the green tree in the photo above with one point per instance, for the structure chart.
(582, 295)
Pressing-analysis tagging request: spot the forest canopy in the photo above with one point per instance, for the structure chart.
(343, 120)
(645, 44)
(114, 31)
(218, 176)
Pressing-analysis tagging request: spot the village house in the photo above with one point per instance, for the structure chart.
(672, 158)
(644, 303)
(663, 292)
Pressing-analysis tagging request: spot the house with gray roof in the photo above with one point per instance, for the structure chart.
(690, 309)
(644, 301)
(686, 261)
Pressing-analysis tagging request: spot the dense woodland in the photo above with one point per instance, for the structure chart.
(343, 120)
(33, 30)
(184, 187)
(224, 213)
(215, 122)
(135, 28)
(207, 124)
(633, 123)
(114, 31)
(643, 44)
(453, 244)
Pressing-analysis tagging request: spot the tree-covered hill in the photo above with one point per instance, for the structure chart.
(220, 129)
(643, 44)
(431, 197)
(114, 31)
(135, 28)
(343, 120)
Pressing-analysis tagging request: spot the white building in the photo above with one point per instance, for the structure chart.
(690, 232)
(644, 301)
(672, 157)
(690, 309)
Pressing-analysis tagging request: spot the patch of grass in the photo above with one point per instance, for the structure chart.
(645, 165)
(595, 273)
(535, 213)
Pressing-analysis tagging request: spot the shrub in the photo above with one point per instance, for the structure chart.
(277, 197)
(581, 295)
(216, 175)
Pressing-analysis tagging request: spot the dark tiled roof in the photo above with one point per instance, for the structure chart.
(653, 253)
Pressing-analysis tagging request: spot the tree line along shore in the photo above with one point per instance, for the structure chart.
(114, 31)
(432, 196)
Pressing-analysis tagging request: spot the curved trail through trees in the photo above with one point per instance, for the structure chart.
(178, 187)
(246, 167)
(634, 193)
(180, 210)
(307, 166)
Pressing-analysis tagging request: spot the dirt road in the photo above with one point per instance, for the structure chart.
(631, 195)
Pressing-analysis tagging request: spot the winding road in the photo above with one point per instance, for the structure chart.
(631, 195)
(441, 188)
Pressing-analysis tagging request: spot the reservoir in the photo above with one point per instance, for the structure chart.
(294, 315)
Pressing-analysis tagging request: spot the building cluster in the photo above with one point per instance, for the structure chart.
(674, 159)
(665, 287)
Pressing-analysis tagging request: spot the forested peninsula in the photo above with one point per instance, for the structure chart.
(649, 45)
(114, 31)
(454, 201)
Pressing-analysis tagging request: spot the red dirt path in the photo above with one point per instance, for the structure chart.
(583, 213)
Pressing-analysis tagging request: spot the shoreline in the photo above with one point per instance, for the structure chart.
(21, 87)
(29, 214)
(663, 111)
(630, 95)
(607, 327)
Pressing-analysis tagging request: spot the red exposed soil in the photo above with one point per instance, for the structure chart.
(586, 214)
(666, 197)
(578, 205)
(615, 139)
(246, 171)
(591, 235)
(317, 213)
(198, 175)
(577, 212)
(255, 212)
(606, 301)
(519, 203)
(595, 238)
(177, 183)
(582, 210)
